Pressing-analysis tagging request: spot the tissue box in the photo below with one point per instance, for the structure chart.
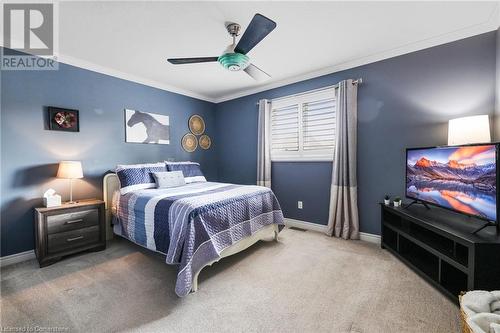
(52, 201)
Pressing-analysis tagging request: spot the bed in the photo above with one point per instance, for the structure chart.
(193, 225)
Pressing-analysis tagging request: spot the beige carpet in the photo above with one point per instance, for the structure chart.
(307, 282)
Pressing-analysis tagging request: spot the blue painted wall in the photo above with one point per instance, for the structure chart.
(30, 153)
(404, 101)
(294, 181)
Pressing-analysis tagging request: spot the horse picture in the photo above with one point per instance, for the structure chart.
(143, 127)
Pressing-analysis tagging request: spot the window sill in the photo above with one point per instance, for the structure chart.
(302, 159)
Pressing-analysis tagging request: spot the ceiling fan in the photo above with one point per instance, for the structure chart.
(235, 56)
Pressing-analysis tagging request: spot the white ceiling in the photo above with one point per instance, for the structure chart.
(133, 39)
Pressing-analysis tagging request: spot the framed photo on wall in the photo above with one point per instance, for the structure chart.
(66, 120)
(144, 127)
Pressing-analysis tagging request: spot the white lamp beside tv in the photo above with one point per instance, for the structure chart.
(465, 130)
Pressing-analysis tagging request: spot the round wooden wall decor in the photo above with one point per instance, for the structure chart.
(196, 124)
(189, 142)
(205, 141)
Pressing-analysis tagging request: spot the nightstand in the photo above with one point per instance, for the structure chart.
(68, 229)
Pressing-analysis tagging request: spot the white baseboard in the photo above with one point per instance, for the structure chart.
(371, 238)
(305, 225)
(17, 257)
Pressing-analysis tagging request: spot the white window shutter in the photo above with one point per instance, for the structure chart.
(303, 127)
(285, 129)
(318, 121)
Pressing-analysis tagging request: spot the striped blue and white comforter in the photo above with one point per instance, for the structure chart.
(192, 224)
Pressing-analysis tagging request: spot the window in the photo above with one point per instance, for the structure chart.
(303, 127)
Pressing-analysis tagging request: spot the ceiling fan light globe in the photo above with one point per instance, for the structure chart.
(234, 61)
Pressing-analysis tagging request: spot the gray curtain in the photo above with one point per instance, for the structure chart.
(343, 218)
(264, 145)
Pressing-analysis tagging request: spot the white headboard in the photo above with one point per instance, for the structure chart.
(110, 185)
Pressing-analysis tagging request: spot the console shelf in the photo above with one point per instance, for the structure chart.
(439, 246)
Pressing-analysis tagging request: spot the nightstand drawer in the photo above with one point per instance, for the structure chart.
(68, 229)
(72, 239)
(72, 221)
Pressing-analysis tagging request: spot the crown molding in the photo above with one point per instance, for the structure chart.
(76, 62)
(491, 24)
(87, 65)
(83, 64)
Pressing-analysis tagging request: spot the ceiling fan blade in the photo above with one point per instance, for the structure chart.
(256, 73)
(259, 27)
(180, 61)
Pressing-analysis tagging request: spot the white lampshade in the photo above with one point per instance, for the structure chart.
(474, 129)
(70, 170)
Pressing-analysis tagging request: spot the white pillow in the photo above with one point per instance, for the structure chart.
(167, 179)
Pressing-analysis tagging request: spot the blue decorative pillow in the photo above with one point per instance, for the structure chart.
(138, 176)
(191, 170)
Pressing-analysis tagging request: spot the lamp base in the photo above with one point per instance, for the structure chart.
(71, 202)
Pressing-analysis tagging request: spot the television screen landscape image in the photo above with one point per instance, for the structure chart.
(459, 178)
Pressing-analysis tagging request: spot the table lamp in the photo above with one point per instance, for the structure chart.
(70, 170)
(474, 129)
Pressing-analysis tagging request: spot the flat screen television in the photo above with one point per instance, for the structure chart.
(460, 178)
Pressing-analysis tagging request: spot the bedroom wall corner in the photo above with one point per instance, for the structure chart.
(405, 101)
(30, 152)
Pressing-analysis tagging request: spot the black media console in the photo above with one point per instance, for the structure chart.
(439, 246)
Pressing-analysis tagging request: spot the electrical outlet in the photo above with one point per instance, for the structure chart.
(299, 204)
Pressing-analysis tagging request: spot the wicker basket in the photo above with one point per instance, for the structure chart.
(463, 317)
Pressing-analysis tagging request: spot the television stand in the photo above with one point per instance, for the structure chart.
(488, 224)
(439, 245)
(418, 202)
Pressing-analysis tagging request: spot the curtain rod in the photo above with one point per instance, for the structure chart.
(355, 82)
